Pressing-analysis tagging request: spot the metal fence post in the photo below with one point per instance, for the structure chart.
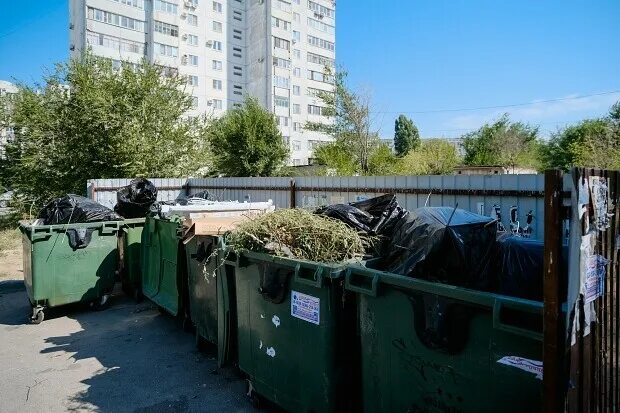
(293, 201)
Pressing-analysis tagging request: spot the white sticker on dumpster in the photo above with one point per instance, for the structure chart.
(531, 366)
(306, 307)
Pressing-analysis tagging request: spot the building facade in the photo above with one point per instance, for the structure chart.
(274, 50)
(6, 132)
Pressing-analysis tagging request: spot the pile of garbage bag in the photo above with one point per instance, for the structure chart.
(136, 199)
(72, 209)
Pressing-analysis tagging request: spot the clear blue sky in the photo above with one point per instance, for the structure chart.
(421, 56)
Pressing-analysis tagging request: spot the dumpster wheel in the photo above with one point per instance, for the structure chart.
(255, 398)
(101, 303)
(38, 315)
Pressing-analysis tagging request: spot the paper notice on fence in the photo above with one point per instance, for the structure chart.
(600, 200)
(595, 277)
(531, 366)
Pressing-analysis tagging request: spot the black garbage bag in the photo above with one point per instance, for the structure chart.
(73, 209)
(375, 216)
(135, 199)
(442, 244)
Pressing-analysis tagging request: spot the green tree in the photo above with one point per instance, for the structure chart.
(406, 136)
(337, 158)
(504, 143)
(246, 141)
(89, 120)
(382, 161)
(433, 157)
(350, 123)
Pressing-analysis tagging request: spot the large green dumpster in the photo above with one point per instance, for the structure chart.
(69, 263)
(210, 292)
(295, 332)
(434, 348)
(163, 277)
(130, 252)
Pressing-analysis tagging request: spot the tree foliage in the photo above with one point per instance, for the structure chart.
(406, 135)
(505, 143)
(246, 141)
(350, 123)
(433, 157)
(88, 120)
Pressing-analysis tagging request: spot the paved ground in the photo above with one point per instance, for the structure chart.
(128, 358)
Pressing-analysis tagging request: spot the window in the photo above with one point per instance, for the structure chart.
(280, 24)
(115, 19)
(192, 80)
(165, 6)
(237, 15)
(217, 103)
(217, 7)
(319, 25)
(296, 109)
(237, 70)
(281, 43)
(296, 145)
(236, 52)
(217, 65)
(217, 45)
(296, 90)
(283, 5)
(296, 1)
(320, 76)
(296, 35)
(281, 101)
(237, 90)
(321, 10)
(297, 72)
(139, 4)
(315, 92)
(296, 17)
(322, 43)
(165, 28)
(312, 144)
(320, 60)
(296, 126)
(217, 84)
(191, 39)
(192, 59)
(282, 121)
(116, 43)
(283, 63)
(166, 50)
(286, 140)
(281, 81)
(296, 53)
(192, 19)
(237, 34)
(193, 3)
(194, 102)
(217, 27)
(315, 110)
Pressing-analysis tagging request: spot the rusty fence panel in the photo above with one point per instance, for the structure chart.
(593, 304)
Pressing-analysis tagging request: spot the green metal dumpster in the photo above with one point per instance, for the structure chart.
(210, 292)
(295, 333)
(69, 263)
(130, 253)
(163, 277)
(434, 347)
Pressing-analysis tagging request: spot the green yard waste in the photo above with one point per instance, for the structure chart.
(69, 263)
(163, 277)
(438, 348)
(130, 250)
(211, 292)
(296, 332)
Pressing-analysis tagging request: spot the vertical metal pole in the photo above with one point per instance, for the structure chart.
(553, 383)
(293, 202)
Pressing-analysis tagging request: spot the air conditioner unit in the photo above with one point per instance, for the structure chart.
(71, 26)
(184, 37)
(72, 47)
(209, 43)
(209, 103)
(183, 15)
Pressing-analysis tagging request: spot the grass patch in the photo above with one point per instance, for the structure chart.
(10, 239)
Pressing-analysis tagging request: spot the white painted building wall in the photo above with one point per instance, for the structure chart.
(6, 133)
(226, 49)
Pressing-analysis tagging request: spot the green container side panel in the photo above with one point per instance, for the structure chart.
(160, 254)
(56, 274)
(131, 251)
(299, 362)
(419, 361)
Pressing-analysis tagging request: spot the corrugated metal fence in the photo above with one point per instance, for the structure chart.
(474, 193)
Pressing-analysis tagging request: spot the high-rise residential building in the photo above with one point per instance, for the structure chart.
(274, 50)
(6, 132)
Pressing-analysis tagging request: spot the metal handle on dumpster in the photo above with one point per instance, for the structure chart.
(110, 227)
(40, 233)
(316, 280)
(520, 308)
(356, 279)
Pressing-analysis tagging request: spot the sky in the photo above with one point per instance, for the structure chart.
(450, 65)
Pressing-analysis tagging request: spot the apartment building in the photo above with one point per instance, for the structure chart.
(274, 50)
(6, 133)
